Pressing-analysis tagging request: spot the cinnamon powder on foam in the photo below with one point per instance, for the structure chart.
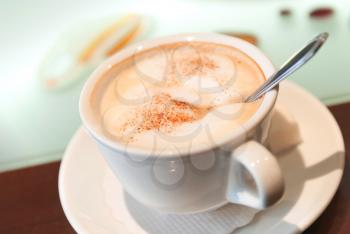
(163, 113)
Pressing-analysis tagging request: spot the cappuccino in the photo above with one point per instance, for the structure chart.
(176, 95)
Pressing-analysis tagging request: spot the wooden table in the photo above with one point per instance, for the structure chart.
(29, 200)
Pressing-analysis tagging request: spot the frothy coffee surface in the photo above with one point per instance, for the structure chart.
(176, 96)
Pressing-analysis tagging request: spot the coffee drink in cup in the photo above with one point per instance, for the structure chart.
(176, 95)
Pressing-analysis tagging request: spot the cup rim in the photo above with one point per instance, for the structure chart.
(239, 133)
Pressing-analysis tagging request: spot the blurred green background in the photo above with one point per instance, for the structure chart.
(36, 123)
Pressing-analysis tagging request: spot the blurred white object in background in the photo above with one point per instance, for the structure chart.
(80, 50)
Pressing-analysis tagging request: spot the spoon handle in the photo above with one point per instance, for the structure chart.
(295, 62)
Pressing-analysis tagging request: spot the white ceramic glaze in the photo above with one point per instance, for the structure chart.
(168, 181)
(256, 159)
(312, 173)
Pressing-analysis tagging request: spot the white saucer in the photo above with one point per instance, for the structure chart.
(312, 172)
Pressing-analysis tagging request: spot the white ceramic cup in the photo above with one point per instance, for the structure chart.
(238, 169)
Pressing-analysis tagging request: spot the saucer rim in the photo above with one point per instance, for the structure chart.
(61, 189)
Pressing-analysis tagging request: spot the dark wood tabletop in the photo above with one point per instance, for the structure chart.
(29, 201)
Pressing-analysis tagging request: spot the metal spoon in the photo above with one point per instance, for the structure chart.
(294, 63)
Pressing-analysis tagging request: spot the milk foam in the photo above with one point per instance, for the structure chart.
(178, 95)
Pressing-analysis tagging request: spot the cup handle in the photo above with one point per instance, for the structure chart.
(255, 178)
